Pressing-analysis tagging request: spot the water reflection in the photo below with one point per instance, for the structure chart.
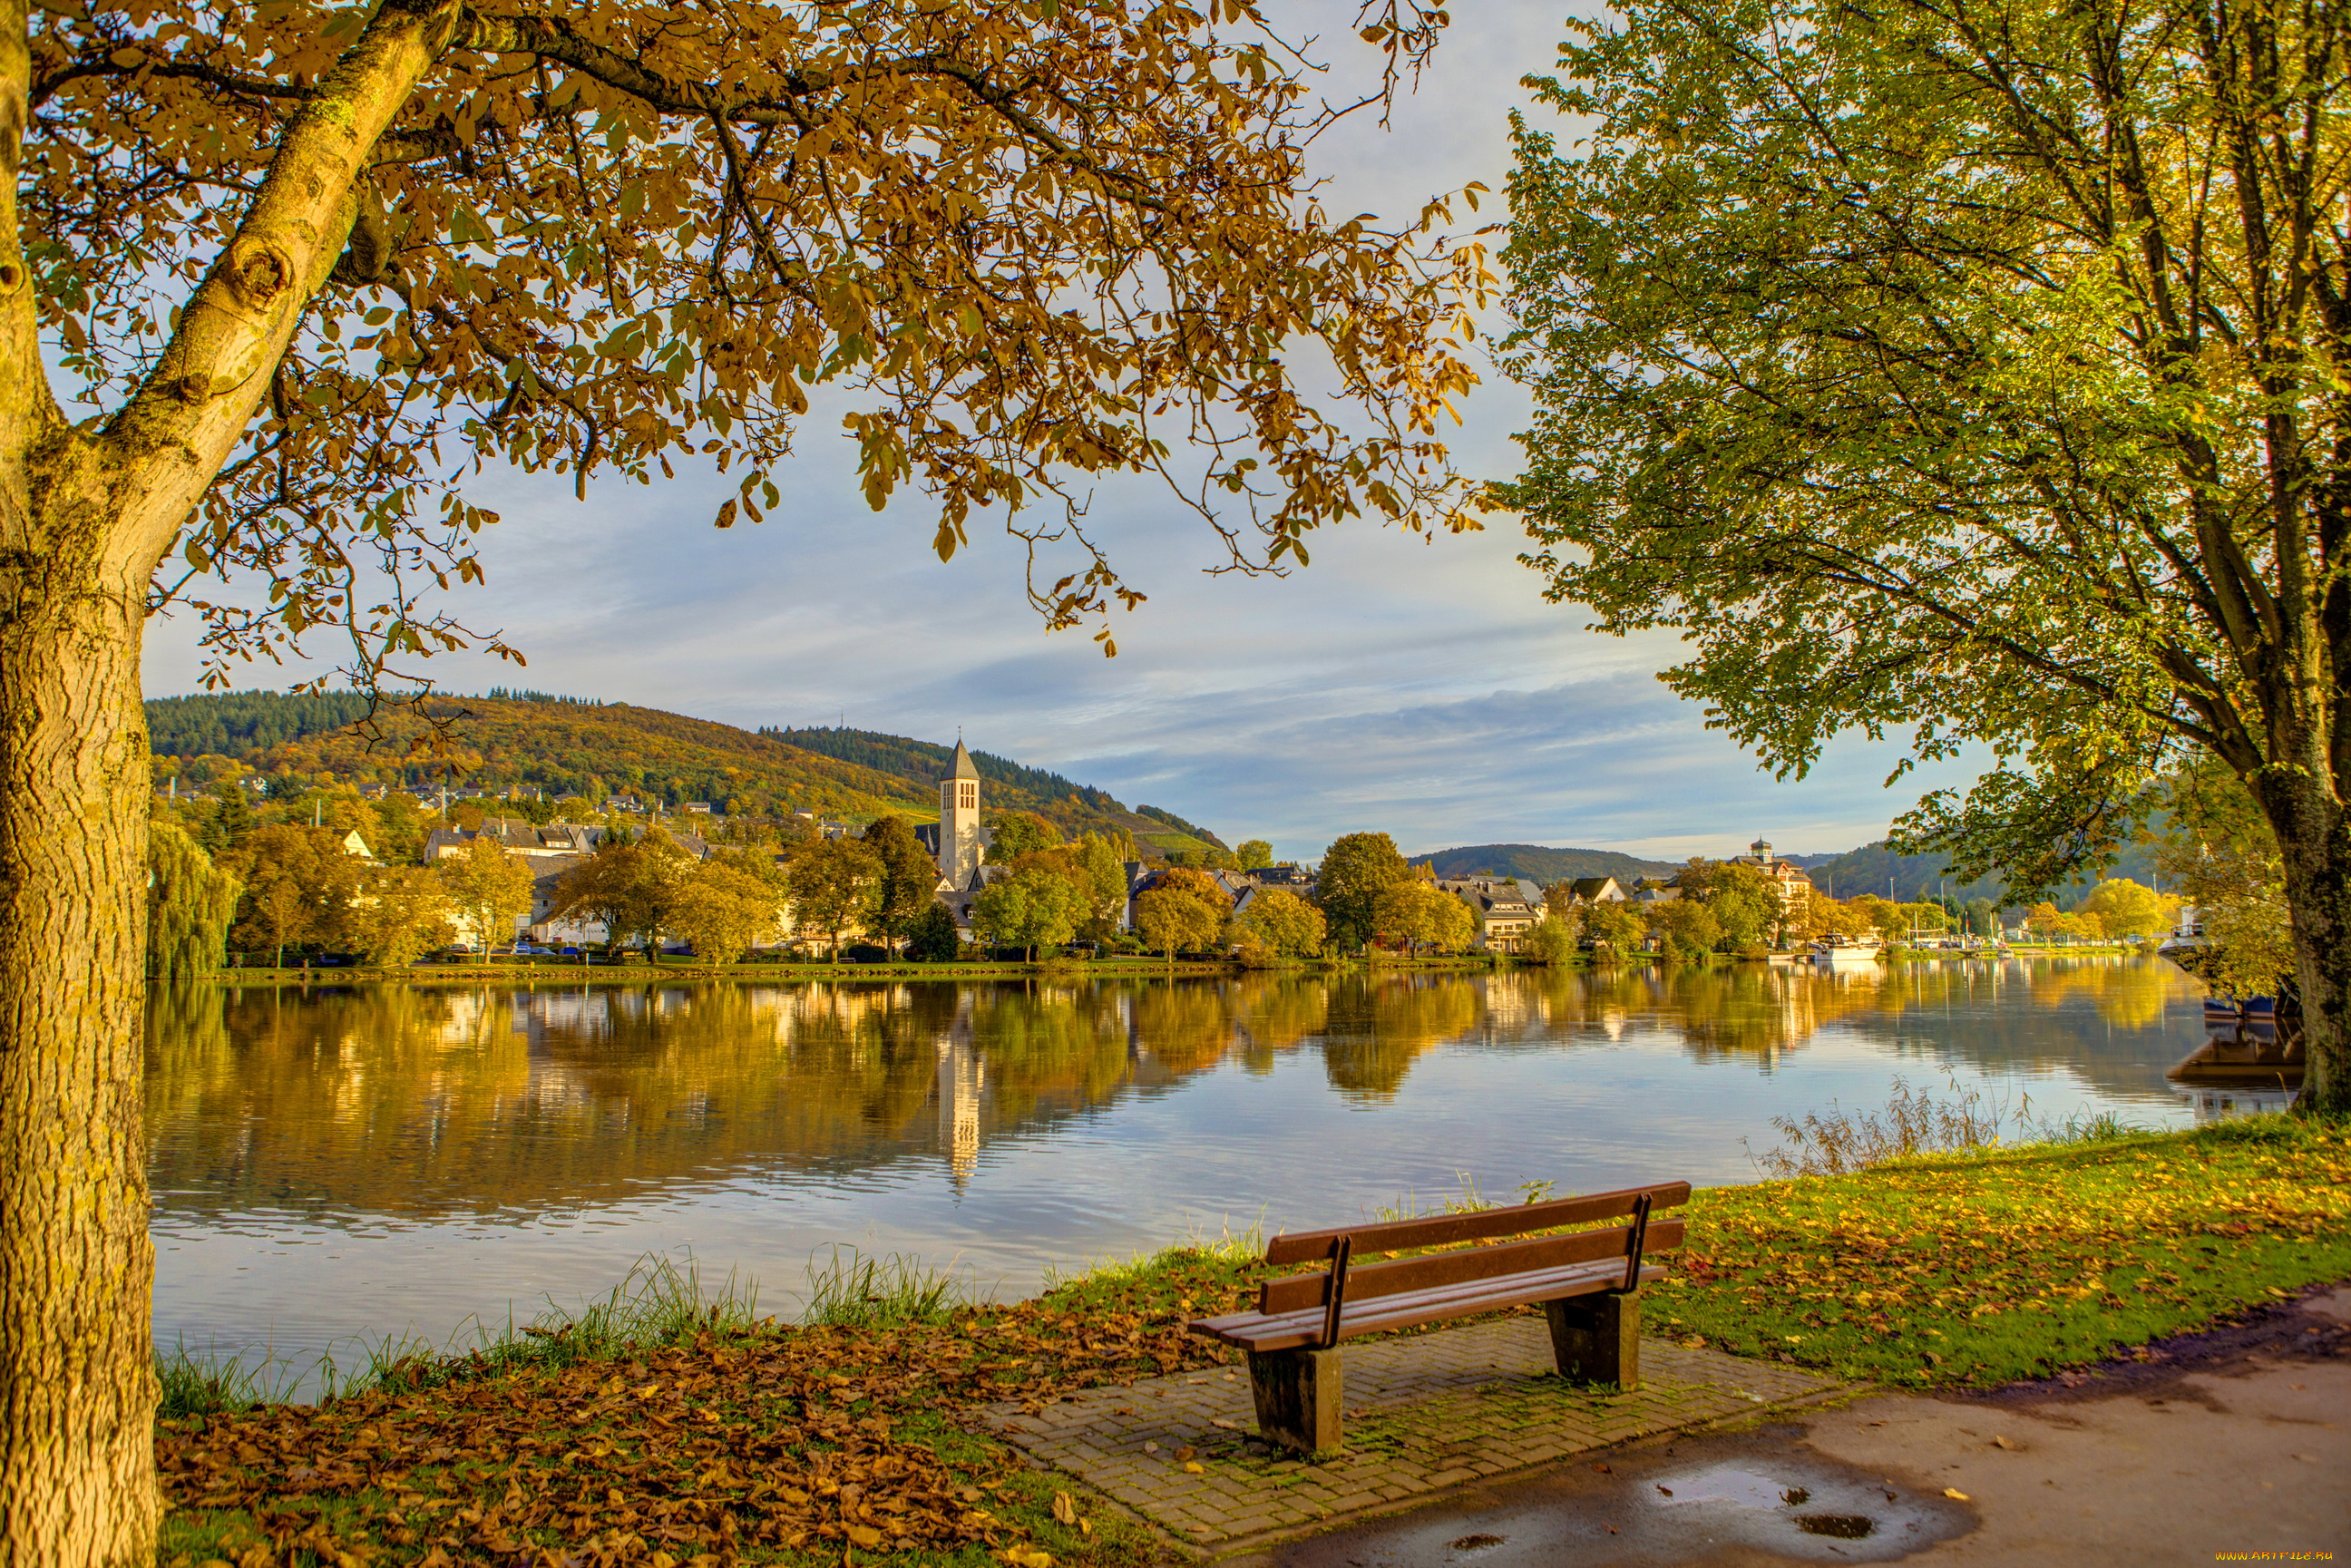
(376, 1157)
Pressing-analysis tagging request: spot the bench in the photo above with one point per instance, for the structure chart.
(1589, 1282)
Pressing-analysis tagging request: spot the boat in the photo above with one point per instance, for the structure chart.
(2221, 1012)
(1836, 951)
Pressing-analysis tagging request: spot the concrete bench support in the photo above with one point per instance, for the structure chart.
(1597, 1339)
(1298, 1397)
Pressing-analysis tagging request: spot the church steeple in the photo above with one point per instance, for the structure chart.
(960, 842)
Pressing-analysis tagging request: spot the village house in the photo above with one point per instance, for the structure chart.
(1596, 890)
(1505, 907)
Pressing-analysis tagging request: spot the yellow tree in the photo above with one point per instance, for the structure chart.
(400, 912)
(723, 907)
(1169, 918)
(298, 262)
(1282, 924)
(490, 888)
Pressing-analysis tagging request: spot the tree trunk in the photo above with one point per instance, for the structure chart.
(2314, 835)
(76, 1272)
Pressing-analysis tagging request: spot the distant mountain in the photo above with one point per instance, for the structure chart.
(571, 746)
(1540, 862)
(1914, 877)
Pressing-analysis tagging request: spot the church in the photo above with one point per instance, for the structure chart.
(956, 840)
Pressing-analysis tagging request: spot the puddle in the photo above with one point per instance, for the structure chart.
(1749, 1489)
(1702, 1499)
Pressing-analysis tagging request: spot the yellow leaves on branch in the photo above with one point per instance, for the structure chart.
(1024, 240)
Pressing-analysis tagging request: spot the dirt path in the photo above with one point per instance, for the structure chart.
(2237, 1440)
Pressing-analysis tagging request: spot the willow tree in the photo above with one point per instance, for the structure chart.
(1975, 369)
(302, 268)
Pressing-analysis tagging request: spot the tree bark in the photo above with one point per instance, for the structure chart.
(76, 1376)
(2314, 835)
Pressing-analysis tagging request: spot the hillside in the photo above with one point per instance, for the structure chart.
(1540, 862)
(566, 746)
(1869, 869)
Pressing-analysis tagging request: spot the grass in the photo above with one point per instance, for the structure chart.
(1984, 1264)
(664, 1423)
(859, 1291)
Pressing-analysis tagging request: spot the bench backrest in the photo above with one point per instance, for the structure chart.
(1298, 1291)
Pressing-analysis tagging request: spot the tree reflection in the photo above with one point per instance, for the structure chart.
(404, 1100)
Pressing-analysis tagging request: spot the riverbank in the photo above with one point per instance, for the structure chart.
(572, 973)
(691, 1431)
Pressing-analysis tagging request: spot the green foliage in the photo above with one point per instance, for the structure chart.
(190, 903)
(1925, 410)
(931, 938)
(854, 1290)
(1541, 863)
(1355, 870)
(910, 877)
(1031, 908)
(1015, 833)
(1551, 940)
(1685, 928)
(1617, 925)
(234, 724)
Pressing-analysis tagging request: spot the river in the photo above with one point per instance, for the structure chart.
(358, 1163)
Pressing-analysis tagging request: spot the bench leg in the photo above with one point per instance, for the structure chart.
(1299, 1395)
(1597, 1339)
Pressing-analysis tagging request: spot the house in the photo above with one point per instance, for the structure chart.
(519, 837)
(1596, 890)
(1795, 886)
(696, 808)
(1504, 912)
(357, 846)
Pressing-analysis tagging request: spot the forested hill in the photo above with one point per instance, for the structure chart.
(1873, 867)
(1540, 862)
(569, 746)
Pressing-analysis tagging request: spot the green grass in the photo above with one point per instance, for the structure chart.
(1989, 1264)
(853, 1291)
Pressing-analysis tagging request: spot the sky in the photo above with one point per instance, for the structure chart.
(1399, 685)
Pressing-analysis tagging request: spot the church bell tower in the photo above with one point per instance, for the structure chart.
(959, 838)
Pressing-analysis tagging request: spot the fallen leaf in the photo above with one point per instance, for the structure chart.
(1065, 1511)
(1236, 1426)
(1150, 1448)
(1668, 1491)
(1956, 1495)
(863, 1535)
(2003, 1443)
(1196, 1468)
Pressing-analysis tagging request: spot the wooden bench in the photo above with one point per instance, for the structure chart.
(1589, 1282)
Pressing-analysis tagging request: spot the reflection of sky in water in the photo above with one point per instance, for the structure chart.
(410, 1159)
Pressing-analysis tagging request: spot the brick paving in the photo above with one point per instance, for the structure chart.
(1424, 1412)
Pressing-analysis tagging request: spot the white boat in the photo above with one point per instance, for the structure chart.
(1835, 951)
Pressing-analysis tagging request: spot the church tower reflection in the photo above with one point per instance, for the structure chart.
(962, 1077)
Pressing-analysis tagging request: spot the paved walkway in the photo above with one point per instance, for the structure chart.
(1424, 1413)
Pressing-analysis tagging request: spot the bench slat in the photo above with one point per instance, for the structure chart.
(1304, 1329)
(1444, 1230)
(1374, 1280)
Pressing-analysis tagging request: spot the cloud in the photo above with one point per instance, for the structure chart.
(1422, 688)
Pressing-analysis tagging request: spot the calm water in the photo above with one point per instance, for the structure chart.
(387, 1161)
